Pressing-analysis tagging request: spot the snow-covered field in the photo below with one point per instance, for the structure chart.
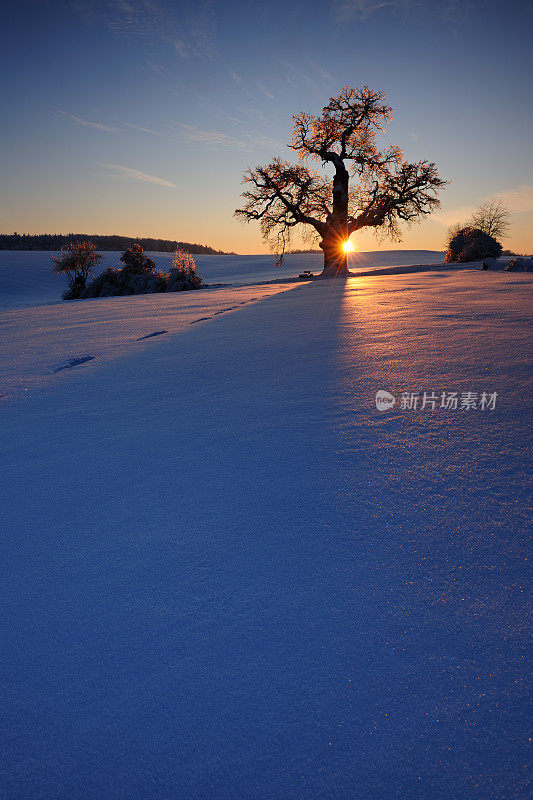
(26, 277)
(228, 575)
(37, 343)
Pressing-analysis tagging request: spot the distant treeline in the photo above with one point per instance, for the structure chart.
(55, 241)
(296, 252)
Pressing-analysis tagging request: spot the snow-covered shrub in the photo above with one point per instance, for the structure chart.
(118, 282)
(471, 244)
(109, 283)
(77, 261)
(183, 275)
(139, 275)
(150, 282)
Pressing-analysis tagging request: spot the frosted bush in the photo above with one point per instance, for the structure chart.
(139, 275)
(77, 261)
(118, 282)
(183, 275)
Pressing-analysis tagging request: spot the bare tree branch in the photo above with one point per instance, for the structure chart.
(492, 217)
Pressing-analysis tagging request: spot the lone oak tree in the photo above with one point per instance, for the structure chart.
(281, 195)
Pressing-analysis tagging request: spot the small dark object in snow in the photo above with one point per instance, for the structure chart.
(149, 335)
(74, 362)
(306, 276)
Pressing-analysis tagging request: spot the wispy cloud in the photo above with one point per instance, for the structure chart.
(234, 77)
(256, 141)
(519, 199)
(190, 33)
(265, 91)
(183, 48)
(137, 175)
(87, 123)
(217, 140)
(295, 75)
(155, 66)
(200, 29)
(251, 111)
(214, 110)
(141, 128)
(214, 140)
(451, 216)
(320, 69)
(346, 11)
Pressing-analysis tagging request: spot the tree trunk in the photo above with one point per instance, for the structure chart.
(335, 265)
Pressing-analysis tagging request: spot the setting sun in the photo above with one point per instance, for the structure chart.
(348, 247)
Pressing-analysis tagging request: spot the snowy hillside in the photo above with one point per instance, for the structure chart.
(26, 277)
(37, 342)
(227, 575)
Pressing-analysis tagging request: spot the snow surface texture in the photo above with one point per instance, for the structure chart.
(26, 278)
(227, 575)
(40, 341)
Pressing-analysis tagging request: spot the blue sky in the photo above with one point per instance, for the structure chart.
(138, 117)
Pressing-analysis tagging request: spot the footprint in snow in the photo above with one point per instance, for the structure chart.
(222, 311)
(74, 362)
(150, 335)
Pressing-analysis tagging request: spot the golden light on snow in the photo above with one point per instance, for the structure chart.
(348, 247)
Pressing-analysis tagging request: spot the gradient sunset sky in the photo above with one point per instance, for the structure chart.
(138, 117)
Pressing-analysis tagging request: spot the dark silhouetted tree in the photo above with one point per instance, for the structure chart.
(135, 261)
(472, 244)
(281, 195)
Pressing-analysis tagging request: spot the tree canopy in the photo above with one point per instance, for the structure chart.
(389, 191)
